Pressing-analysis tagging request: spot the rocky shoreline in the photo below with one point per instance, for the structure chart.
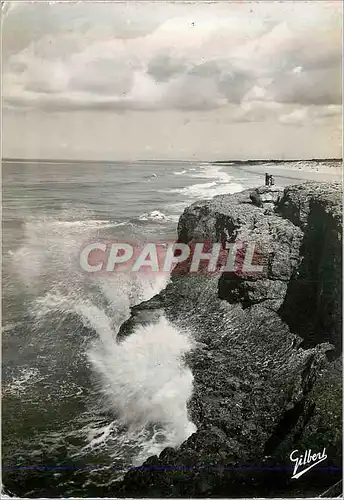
(267, 357)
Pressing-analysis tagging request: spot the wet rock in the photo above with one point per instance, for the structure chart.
(266, 367)
(143, 314)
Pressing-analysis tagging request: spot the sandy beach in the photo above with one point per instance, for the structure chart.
(298, 171)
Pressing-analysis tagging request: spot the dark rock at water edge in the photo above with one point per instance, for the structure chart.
(267, 357)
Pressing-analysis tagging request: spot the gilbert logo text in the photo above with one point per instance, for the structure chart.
(306, 461)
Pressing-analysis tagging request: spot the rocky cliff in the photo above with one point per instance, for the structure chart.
(267, 357)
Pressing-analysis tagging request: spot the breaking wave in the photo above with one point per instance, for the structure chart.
(220, 183)
(142, 380)
(155, 216)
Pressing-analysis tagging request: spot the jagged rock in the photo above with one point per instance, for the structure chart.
(145, 313)
(265, 382)
(306, 220)
(266, 197)
(300, 200)
(313, 303)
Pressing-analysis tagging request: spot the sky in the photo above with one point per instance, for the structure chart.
(163, 80)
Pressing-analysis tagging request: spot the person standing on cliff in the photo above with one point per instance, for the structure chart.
(269, 180)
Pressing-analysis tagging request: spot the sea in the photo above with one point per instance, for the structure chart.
(80, 408)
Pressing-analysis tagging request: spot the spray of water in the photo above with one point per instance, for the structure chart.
(143, 378)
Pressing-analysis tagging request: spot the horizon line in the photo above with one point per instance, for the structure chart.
(235, 160)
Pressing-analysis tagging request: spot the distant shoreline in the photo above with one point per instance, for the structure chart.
(262, 162)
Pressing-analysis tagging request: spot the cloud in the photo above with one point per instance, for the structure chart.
(207, 56)
(308, 115)
(164, 66)
(316, 86)
(298, 116)
(256, 111)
